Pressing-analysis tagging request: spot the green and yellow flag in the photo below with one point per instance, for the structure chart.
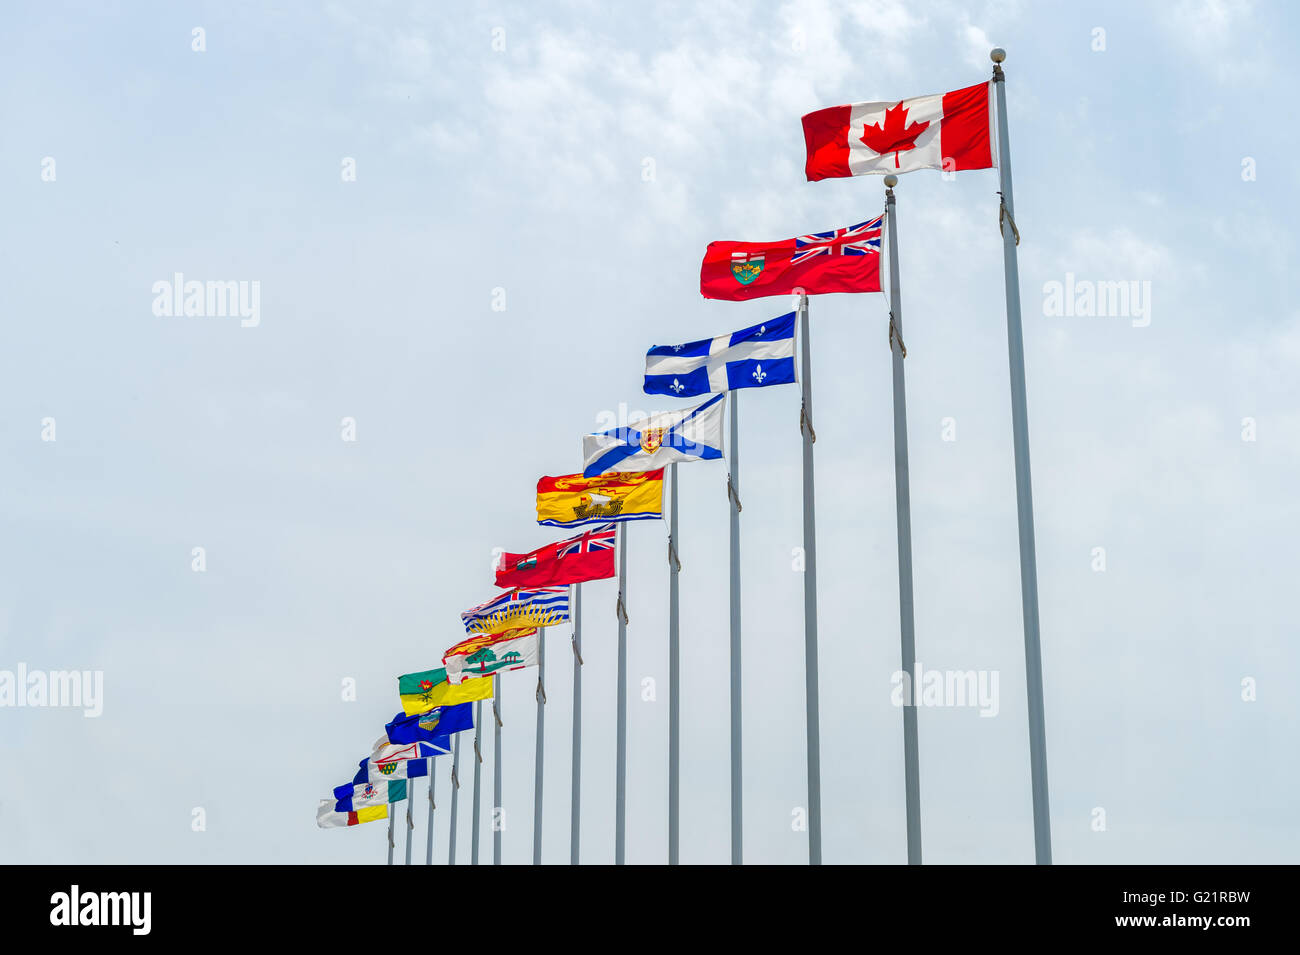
(421, 692)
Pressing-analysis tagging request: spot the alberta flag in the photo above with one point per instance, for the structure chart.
(753, 357)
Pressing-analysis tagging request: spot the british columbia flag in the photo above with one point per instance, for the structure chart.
(860, 239)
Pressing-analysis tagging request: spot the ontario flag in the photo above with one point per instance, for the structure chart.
(588, 556)
(947, 131)
(841, 260)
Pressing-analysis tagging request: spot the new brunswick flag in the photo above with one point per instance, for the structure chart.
(421, 692)
(572, 499)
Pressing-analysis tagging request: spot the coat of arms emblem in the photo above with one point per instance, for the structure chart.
(746, 266)
(651, 439)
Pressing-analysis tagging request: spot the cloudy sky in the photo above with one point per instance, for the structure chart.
(533, 192)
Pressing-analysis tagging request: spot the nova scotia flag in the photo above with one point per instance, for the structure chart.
(751, 358)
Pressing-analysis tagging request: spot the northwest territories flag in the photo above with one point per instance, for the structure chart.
(750, 358)
(355, 796)
(328, 818)
(661, 439)
(371, 772)
(522, 608)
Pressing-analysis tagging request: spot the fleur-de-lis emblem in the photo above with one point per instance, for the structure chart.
(678, 347)
(759, 374)
(677, 387)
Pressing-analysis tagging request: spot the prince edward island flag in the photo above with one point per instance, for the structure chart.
(750, 358)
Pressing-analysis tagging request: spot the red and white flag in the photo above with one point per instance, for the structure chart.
(946, 131)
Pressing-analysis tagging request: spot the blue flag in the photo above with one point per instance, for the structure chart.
(753, 357)
(432, 727)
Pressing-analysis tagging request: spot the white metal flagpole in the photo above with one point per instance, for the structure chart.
(575, 785)
(903, 508)
(391, 844)
(810, 600)
(410, 821)
(737, 783)
(498, 814)
(455, 793)
(541, 737)
(478, 773)
(620, 787)
(1024, 489)
(428, 852)
(674, 672)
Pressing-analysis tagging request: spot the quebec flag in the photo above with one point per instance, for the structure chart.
(750, 358)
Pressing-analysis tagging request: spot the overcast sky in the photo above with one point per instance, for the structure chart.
(571, 165)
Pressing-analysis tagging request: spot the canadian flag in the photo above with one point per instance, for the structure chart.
(945, 131)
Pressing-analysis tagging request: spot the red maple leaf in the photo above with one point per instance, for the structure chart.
(893, 137)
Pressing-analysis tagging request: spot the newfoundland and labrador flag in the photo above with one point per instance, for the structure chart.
(354, 796)
(663, 438)
(589, 556)
(421, 692)
(328, 818)
(572, 499)
(372, 772)
(947, 131)
(841, 260)
(753, 357)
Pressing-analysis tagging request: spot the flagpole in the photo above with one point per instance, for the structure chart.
(737, 785)
(810, 600)
(674, 669)
(410, 822)
(541, 735)
(620, 788)
(1024, 490)
(455, 793)
(428, 852)
(903, 507)
(391, 844)
(478, 772)
(497, 821)
(575, 785)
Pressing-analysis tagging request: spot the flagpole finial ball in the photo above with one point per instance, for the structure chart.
(997, 54)
(891, 182)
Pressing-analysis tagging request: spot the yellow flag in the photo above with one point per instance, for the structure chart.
(470, 690)
(618, 496)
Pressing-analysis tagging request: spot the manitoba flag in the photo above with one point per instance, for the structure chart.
(841, 260)
(946, 131)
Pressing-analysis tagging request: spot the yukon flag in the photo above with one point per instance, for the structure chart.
(947, 131)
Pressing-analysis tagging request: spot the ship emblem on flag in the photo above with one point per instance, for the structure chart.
(860, 239)
(746, 266)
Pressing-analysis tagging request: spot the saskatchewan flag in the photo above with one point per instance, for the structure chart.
(421, 692)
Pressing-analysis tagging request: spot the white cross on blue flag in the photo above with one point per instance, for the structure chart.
(750, 358)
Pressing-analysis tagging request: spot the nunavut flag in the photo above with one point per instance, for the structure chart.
(947, 131)
(841, 260)
(572, 499)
